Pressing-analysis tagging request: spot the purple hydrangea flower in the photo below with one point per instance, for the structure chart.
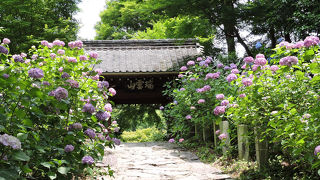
(101, 137)
(34, 57)
(260, 56)
(260, 61)
(101, 115)
(87, 160)
(89, 108)
(316, 150)
(189, 117)
(103, 84)
(213, 75)
(224, 103)
(73, 83)
(226, 68)
(6, 76)
(90, 133)
(46, 83)
(108, 107)
(78, 44)
(220, 65)
(83, 58)
(219, 110)
(116, 129)
(17, 58)
(3, 50)
(58, 43)
(242, 95)
(199, 59)
(44, 43)
(11, 141)
(233, 66)
(235, 71)
(231, 77)
(311, 41)
(219, 96)
(171, 140)
(65, 75)
(108, 138)
(35, 73)
(60, 93)
(116, 141)
(75, 126)
(161, 108)
(68, 148)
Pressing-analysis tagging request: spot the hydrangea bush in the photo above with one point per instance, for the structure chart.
(279, 96)
(282, 99)
(201, 86)
(53, 113)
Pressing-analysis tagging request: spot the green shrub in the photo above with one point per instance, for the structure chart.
(143, 135)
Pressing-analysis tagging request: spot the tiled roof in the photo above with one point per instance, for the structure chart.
(120, 56)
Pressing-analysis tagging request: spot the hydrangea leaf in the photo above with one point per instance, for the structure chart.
(20, 156)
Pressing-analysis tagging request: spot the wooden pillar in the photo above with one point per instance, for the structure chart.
(261, 150)
(224, 127)
(243, 142)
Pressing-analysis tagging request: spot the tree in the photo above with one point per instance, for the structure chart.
(28, 22)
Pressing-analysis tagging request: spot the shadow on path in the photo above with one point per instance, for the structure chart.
(157, 160)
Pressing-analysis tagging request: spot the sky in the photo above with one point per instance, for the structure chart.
(88, 16)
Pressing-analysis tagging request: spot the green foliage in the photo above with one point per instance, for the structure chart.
(26, 23)
(40, 118)
(131, 117)
(143, 135)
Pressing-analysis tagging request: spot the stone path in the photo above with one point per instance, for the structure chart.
(157, 161)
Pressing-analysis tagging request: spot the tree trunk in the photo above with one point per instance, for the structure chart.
(241, 41)
(272, 37)
(287, 37)
(229, 24)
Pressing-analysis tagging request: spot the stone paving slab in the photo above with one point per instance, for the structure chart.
(157, 161)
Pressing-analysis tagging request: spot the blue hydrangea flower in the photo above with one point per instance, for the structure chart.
(258, 45)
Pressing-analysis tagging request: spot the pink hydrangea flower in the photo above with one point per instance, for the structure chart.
(244, 66)
(83, 58)
(260, 61)
(220, 96)
(44, 43)
(72, 59)
(190, 63)
(61, 52)
(220, 65)
(192, 79)
(180, 76)
(112, 91)
(6, 41)
(108, 107)
(298, 45)
(231, 77)
(199, 59)
(217, 132)
(311, 41)
(255, 67)
(274, 68)
(200, 101)
(224, 103)
(96, 77)
(259, 56)
(219, 110)
(188, 117)
(223, 136)
(316, 150)
(192, 107)
(235, 71)
(288, 61)
(247, 81)
(248, 60)
(60, 69)
(183, 68)
(181, 140)
(93, 55)
(242, 95)
(99, 71)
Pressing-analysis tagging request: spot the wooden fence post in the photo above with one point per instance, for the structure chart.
(224, 126)
(261, 150)
(243, 142)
